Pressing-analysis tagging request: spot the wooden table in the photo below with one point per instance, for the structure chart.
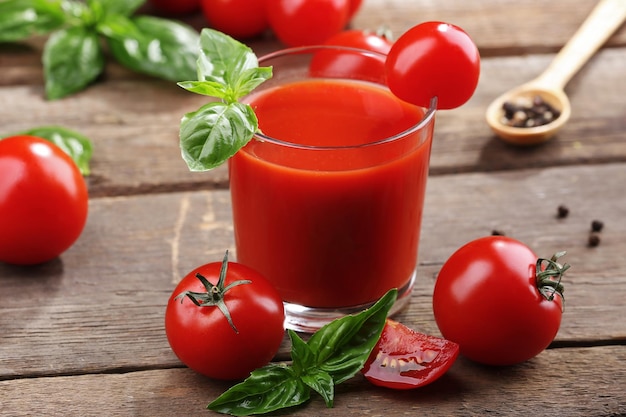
(83, 335)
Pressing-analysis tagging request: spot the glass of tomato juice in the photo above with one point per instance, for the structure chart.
(327, 201)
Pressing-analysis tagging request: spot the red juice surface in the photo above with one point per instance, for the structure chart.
(332, 227)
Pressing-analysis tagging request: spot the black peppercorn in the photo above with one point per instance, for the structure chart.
(596, 226)
(562, 211)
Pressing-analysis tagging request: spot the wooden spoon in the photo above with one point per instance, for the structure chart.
(606, 17)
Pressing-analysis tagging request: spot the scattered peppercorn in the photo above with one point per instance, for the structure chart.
(562, 211)
(528, 113)
(596, 226)
(496, 232)
(594, 240)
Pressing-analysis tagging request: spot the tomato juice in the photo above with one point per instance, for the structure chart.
(327, 200)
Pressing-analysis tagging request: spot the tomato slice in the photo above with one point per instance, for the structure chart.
(406, 359)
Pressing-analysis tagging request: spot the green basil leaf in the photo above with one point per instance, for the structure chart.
(343, 345)
(158, 47)
(322, 383)
(77, 146)
(214, 133)
(227, 61)
(302, 356)
(266, 389)
(250, 79)
(207, 88)
(119, 7)
(19, 19)
(72, 59)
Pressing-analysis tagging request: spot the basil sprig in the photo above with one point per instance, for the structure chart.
(73, 56)
(76, 145)
(227, 70)
(332, 355)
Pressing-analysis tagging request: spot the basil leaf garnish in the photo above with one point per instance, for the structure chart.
(332, 355)
(266, 389)
(212, 134)
(227, 70)
(72, 58)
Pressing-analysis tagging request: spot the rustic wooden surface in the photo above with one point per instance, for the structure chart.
(83, 335)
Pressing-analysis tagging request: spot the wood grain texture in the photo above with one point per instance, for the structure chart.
(99, 308)
(537, 387)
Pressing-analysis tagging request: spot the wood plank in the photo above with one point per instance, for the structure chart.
(537, 388)
(100, 306)
(134, 126)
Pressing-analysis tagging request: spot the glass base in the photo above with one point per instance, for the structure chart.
(310, 319)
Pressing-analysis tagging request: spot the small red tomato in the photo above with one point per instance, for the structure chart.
(224, 320)
(434, 59)
(238, 18)
(43, 200)
(176, 7)
(354, 65)
(353, 8)
(498, 301)
(406, 359)
(306, 22)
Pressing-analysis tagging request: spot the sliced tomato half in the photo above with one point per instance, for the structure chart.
(406, 359)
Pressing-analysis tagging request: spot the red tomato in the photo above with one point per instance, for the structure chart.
(306, 22)
(405, 359)
(236, 327)
(434, 59)
(43, 200)
(353, 65)
(353, 8)
(237, 18)
(176, 7)
(488, 299)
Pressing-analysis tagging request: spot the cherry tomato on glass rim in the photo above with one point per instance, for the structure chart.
(43, 200)
(350, 64)
(238, 18)
(306, 22)
(434, 59)
(406, 359)
(176, 7)
(224, 320)
(498, 301)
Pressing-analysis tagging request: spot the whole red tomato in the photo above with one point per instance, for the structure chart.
(43, 200)
(406, 359)
(498, 301)
(434, 59)
(176, 7)
(348, 64)
(354, 7)
(306, 22)
(224, 320)
(237, 18)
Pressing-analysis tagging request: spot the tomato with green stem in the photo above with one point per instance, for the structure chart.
(224, 320)
(434, 59)
(43, 200)
(406, 359)
(499, 301)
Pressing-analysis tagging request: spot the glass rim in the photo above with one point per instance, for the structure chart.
(425, 120)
